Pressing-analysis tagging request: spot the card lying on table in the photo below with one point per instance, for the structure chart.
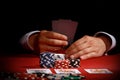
(98, 71)
(48, 71)
(72, 71)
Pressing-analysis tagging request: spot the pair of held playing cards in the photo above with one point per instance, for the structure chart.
(66, 27)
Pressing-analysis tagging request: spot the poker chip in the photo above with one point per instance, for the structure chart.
(47, 60)
(59, 56)
(61, 64)
(56, 60)
(8, 76)
(72, 78)
(56, 76)
(61, 75)
(74, 63)
(39, 76)
(42, 75)
(22, 76)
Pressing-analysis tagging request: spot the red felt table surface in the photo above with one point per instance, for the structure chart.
(21, 62)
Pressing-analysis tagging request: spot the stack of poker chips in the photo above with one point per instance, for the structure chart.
(65, 77)
(59, 64)
(47, 60)
(57, 61)
(74, 63)
(39, 76)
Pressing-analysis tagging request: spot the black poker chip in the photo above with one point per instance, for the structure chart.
(74, 63)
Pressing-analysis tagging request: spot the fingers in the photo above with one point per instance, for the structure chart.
(44, 47)
(53, 35)
(78, 48)
(78, 42)
(53, 38)
(53, 42)
(86, 47)
(85, 55)
(81, 52)
(88, 55)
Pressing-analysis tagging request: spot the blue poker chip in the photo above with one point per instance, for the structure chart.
(47, 60)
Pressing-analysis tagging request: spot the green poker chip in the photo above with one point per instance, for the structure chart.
(71, 77)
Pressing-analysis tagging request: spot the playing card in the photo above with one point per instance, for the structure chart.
(48, 71)
(66, 27)
(73, 71)
(98, 71)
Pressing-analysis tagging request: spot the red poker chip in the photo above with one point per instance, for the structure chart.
(22, 76)
(26, 76)
(62, 64)
(38, 78)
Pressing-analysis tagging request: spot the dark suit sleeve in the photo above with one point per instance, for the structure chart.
(107, 21)
(113, 30)
(110, 26)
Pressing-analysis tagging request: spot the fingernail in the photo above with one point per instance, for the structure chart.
(72, 57)
(82, 58)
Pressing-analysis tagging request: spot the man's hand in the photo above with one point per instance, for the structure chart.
(86, 47)
(51, 41)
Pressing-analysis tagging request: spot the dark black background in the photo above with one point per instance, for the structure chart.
(17, 18)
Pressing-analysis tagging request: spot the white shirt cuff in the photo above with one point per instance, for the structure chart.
(25, 40)
(111, 37)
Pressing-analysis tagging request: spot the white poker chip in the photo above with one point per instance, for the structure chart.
(59, 56)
